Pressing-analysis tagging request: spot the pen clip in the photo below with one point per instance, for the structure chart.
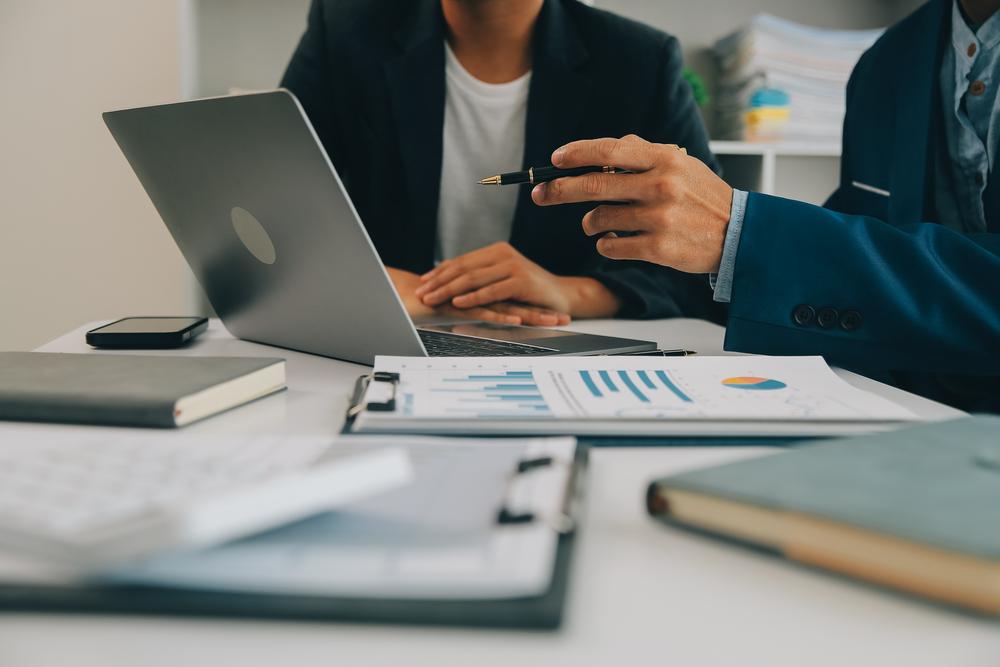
(361, 388)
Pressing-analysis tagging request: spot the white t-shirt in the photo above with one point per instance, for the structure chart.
(483, 135)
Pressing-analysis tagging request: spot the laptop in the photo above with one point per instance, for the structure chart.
(261, 216)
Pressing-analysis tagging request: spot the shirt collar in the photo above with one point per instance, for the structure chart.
(989, 32)
(986, 37)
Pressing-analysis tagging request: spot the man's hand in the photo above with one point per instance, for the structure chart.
(406, 285)
(498, 274)
(675, 207)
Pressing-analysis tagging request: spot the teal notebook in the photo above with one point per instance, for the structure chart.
(916, 509)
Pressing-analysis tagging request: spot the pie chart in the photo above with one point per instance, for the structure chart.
(753, 383)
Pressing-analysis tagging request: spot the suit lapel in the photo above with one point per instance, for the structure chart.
(560, 90)
(917, 96)
(415, 77)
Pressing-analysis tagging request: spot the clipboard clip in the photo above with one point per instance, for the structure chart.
(361, 388)
(564, 521)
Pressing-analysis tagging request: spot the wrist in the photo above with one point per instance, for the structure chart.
(589, 298)
(723, 284)
(715, 236)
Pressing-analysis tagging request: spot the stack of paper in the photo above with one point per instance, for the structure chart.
(781, 81)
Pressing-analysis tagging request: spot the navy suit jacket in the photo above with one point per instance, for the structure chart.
(869, 281)
(371, 77)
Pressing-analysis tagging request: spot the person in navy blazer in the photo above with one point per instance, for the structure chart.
(873, 281)
(370, 75)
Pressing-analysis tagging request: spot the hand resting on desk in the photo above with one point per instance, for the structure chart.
(499, 275)
(407, 284)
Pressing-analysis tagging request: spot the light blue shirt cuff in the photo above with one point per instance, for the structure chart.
(722, 282)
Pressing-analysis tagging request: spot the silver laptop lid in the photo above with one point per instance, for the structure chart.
(266, 225)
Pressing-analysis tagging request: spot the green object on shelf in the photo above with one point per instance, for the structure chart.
(701, 96)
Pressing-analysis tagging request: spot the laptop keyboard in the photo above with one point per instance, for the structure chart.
(440, 344)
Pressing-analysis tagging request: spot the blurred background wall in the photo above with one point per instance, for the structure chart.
(80, 240)
(246, 43)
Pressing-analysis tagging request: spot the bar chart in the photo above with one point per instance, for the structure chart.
(517, 393)
(493, 394)
(614, 395)
(639, 383)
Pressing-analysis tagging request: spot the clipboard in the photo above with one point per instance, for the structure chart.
(358, 405)
(617, 401)
(538, 611)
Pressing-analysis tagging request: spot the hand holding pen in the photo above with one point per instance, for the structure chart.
(676, 211)
(535, 175)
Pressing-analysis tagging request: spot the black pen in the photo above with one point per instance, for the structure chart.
(545, 174)
(658, 353)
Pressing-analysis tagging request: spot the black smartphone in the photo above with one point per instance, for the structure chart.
(147, 332)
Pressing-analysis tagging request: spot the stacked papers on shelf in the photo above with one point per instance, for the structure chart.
(781, 81)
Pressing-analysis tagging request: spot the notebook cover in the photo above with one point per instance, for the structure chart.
(936, 484)
(112, 389)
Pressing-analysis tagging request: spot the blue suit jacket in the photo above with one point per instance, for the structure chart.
(870, 281)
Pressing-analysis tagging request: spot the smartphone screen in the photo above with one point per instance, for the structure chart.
(138, 325)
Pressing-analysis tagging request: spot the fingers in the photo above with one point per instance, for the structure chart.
(611, 218)
(532, 315)
(445, 272)
(451, 284)
(490, 254)
(492, 276)
(658, 165)
(449, 267)
(494, 262)
(589, 187)
(629, 247)
(631, 152)
(504, 290)
(484, 314)
(511, 313)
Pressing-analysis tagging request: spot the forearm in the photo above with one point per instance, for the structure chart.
(589, 298)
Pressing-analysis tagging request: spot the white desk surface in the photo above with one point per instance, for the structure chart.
(641, 593)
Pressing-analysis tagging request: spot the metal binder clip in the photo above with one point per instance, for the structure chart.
(561, 522)
(361, 388)
(530, 464)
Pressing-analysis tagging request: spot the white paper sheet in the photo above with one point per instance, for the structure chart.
(741, 388)
(435, 539)
(623, 395)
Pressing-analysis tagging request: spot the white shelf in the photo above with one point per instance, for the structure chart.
(778, 149)
(800, 170)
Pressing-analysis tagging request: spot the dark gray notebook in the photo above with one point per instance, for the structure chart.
(130, 390)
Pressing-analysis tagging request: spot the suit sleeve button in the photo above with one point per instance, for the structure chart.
(827, 317)
(803, 315)
(850, 320)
